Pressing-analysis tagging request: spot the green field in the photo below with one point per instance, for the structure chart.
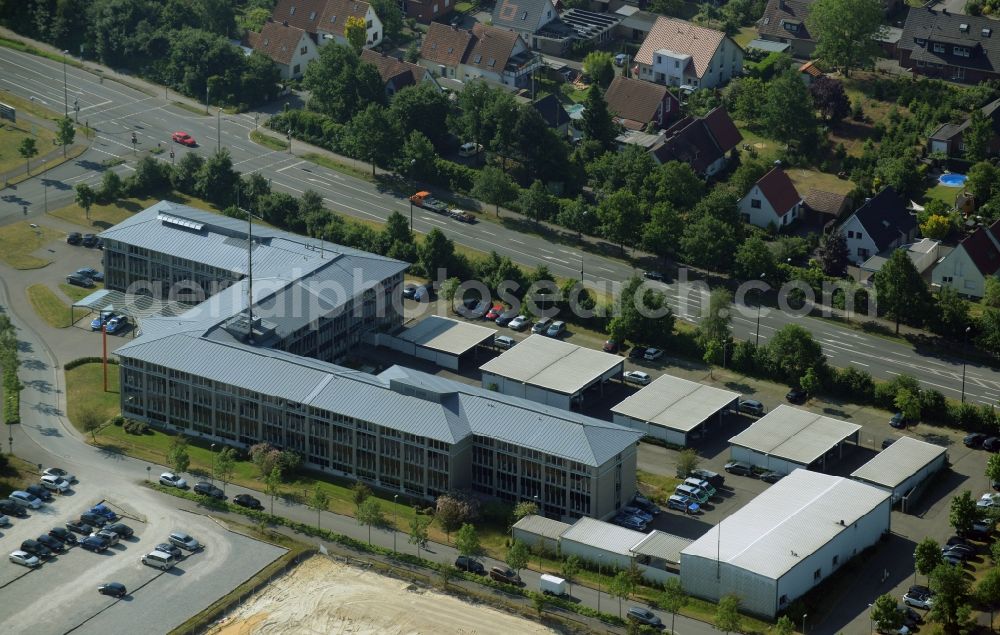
(18, 240)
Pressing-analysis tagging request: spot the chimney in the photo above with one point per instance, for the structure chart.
(944, 10)
(284, 23)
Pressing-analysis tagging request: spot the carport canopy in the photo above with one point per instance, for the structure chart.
(445, 335)
(795, 435)
(676, 403)
(135, 306)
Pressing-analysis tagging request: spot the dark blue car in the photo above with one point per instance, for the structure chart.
(94, 543)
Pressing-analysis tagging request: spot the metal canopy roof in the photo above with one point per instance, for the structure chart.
(659, 544)
(796, 435)
(552, 364)
(898, 462)
(789, 521)
(675, 403)
(604, 536)
(447, 335)
(542, 526)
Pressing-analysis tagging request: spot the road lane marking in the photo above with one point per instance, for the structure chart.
(859, 363)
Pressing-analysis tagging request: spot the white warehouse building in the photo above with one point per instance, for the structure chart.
(786, 541)
(902, 467)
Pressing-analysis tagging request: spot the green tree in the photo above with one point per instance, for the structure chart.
(901, 289)
(340, 85)
(494, 186)
(474, 104)
(422, 108)
(908, 403)
(599, 66)
(676, 183)
(370, 513)
(622, 586)
(535, 202)
(467, 541)
(216, 180)
(789, 115)
(177, 456)
(885, 613)
(27, 149)
(709, 243)
(390, 16)
(418, 158)
(687, 460)
(993, 468)
(991, 294)
(754, 258)
(846, 32)
(419, 525)
(936, 227)
(360, 492)
(977, 136)
(356, 33)
(660, 233)
(225, 463)
(982, 181)
(715, 324)
(951, 591)
(748, 96)
(319, 501)
(576, 216)
(272, 484)
(620, 215)
(527, 508)
(673, 599)
(833, 254)
(597, 124)
(111, 187)
(784, 626)
(963, 512)
(89, 421)
(794, 351)
(988, 590)
(569, 568)
(65, 133)
(373, 135)
(85, 197)
(927, 556)
(517, 556)
(951, 316)
(727, 614)
(810, 381)
(435, 253)
(830, 99)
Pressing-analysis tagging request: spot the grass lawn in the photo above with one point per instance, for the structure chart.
(333, 164)
(268, 141)
(105, 216)
(17, 474)
(805, 180)
(941, 193)
(11, 136)
(76, 293)
(49, 306)
(18, 240)
(745, 35)
(463, 7)
(84, 391)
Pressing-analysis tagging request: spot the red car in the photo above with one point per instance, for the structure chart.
(184, 139)
(495, 311)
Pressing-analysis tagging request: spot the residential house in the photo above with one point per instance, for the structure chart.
(881, 224)
(552, 111)
(324, 20)
(540, 25)
(826, 206)
(678, 53)
(426, 11)
(635, 24)
(947, 46)
(976, 258)
(397, 74)
(490, 53)
(524, 17)
(947, 138)
(703, 142)
(923, 254)
(637, 104)
(289, 47)
(772, 201)
(785, 21)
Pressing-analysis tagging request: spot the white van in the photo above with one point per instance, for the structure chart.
(701, 484)
(159, 560)
(693, 493)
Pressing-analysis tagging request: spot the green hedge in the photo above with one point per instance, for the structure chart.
(80, 361)
(9, 363)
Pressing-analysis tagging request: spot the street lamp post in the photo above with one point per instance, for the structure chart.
(965, 349)
(206, 98)
(871, 622)
(599, 583)
(759, 300)
(411, 214)
(218, 130)
(804, 616)
(395, 512)
(65, 90)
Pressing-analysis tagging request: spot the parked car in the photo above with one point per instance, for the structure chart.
(207, 489)
(10, 508)
(887, 442)
(109, 536)
(611, 346)
(172, 480)
(641, 514)
(25, 559)
(116, 324)
(123, 531)
(918, 600)
(56, 471)
(103, 510)
(80, 281)
(556, 329)
(473, 309)
(98, 322)
(248, 501)
(506, 317)
(63, 535)
(159, 560)
(739, 467)
(55, 546)
(470, 149)
(494, 312)
(653, 275)
(751, 407)
(954, 559)
(24, 499)
(629, 522)
(636, 377)
(541, 325)
(89, 240)
(36, 548)
(183, 138)
(79, 526)
(643, 616)
(796, 395)
(465, 563)
(637, 352)
(505, 575)
(519, 323)
(173, 550)
(966, 551)
(4, 521)
(94, 520)
(54, 483)
(771, 477)
(91, 273)
(986, 501)
(184, 541)
(992, 444)
(409, 291)
(717, 480)
(680, 503)
(504, 342)
(898, 421)
(920, 589)
(73, 238)
(97, 544)
(653, 354)
(114, 589)
(983, 527)
(39, 492)
(974, 440)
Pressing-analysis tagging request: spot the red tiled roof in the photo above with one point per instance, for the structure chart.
(681, 37)
(445, 44)
(302, 14)
(337, 11)
(634, 100)
(723, 129)
(982, 250)
(779, 190)
(278, 41)
(491, 48)
(809, 68)
(398, 72)
(779, 12)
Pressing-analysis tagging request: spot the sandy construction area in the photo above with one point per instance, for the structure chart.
(323, 596)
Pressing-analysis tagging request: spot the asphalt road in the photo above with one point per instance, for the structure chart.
(116, 110)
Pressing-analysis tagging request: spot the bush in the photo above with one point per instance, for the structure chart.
(118, 420)
(454, 176)
(135, 427)
(80, 361)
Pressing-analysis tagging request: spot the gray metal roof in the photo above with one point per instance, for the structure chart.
(898, 462)
(552, 364)
(787, 522)
(675, 403)
(399, 398)
(662, 545)
(447, 335)
(797, 435)
(542, 526)
(768, 45)
(604, 536)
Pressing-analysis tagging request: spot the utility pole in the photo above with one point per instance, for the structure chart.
(65, 90)
(218, 130)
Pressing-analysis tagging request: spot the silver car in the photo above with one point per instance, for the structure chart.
(24, 499)
(184, 541)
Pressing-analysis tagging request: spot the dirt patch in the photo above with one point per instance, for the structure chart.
(323, 596)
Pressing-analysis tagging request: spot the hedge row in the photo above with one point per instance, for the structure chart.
(80, 361)
(9, 363)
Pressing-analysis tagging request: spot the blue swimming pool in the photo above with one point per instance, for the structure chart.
(952, 180)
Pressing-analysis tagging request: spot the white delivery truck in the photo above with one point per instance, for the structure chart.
(551, 585)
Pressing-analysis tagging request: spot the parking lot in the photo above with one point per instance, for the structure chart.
(160, 599)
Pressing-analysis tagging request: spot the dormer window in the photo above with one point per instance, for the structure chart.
(292, 10)
(333, 19)
(266, 41)
(961, 51)
(939, 48)
(792, 26)
(920, 42)
(964, 28)
(524, 15)
(312, 16)
(987, 31)
(478, 59)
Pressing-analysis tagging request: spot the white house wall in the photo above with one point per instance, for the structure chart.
(854, 243)
(662, 433)
(965, 275)
(609, 561)
(705, 578)
(532, 539)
